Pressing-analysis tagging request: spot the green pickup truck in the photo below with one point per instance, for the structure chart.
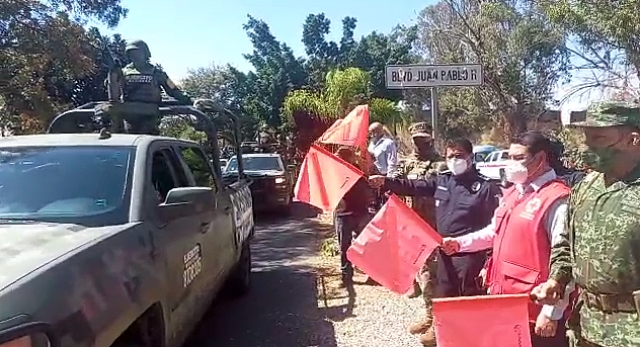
(118, 240)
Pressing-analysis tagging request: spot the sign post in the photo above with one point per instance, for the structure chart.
(432, 77)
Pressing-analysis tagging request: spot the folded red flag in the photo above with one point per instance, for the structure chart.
(482, 321)
(350, 131)
(394, 245)
(324, 179)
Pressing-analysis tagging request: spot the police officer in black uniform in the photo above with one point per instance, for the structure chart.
(465, 202)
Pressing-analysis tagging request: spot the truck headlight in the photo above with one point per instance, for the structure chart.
(279, 180)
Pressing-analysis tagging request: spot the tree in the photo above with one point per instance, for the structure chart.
(277, 71)
(226, 85)
(90, 87)
(311, 113)
(42, 44)
(522, 53)
(606, 34)
(372, 53)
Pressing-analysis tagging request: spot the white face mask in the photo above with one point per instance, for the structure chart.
(457, 166)
(516, 172)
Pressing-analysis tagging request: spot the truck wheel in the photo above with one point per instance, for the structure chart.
(239, 282)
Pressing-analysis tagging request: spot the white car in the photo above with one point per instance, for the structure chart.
(494, 164)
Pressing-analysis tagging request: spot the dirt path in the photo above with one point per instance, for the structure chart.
(368, 315)
(295, 300)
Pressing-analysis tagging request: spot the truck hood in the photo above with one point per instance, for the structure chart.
(267, 173)
(257, 173)
(26, 247)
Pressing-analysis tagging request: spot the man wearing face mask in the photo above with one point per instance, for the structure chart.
(529, 220)
(600, 251)
(464, 202)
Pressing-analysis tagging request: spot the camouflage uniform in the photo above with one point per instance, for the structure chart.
(416, 167)
(600, 251)
(141, 95)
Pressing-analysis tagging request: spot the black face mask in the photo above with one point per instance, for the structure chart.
(603, 159)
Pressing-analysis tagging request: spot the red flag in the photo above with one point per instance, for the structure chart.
(324, 179)
(394, 245)
(482, 321)
(350, 131)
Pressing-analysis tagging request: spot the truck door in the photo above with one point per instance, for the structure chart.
(218, 238)
(182, 244)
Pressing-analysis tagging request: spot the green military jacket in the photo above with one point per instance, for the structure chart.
(415, 167)
(143, 85)
(601, 251)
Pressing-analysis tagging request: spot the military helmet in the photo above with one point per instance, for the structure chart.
(139, 44)
(420, 129)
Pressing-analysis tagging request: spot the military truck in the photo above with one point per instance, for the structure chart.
(118, 240)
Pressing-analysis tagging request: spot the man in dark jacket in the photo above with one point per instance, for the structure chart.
(352, 215)
(464, 202)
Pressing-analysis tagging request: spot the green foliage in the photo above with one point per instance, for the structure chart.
(227, 86)
(45, 49)
(606, 34)
(179, 127)
(387, 112)
(523, 56)
(344, 89)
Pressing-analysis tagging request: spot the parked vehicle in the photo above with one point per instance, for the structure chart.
(117, 240)
(494, 164)
(481, 152)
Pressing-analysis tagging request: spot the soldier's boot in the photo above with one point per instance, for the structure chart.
(428, 339)
(424, 325)
(421, 327)
(415, 292)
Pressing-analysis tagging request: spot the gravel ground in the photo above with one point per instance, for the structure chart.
(370, 316)
(295, 300)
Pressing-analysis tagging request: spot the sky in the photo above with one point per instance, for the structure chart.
(189, 34)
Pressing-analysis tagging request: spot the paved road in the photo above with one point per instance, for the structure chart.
(282, 309)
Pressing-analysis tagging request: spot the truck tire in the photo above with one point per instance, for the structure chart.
(239, 283)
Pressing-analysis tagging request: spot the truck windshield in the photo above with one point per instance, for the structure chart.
(79, 184)
(256, 164)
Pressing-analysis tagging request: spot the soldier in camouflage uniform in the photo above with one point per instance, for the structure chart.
(423, 162)
(600, 251)
(141, 95)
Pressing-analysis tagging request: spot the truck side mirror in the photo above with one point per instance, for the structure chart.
(184, 201)
(27, 335)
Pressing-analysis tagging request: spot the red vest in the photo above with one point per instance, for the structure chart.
(521, 247)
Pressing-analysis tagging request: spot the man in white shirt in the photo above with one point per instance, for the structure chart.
(383, 149)
(529, 220)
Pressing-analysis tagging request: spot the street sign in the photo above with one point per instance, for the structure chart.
(426, 76)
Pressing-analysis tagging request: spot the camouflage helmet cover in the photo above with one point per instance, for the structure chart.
(139, 44)
(610, 114)
(420, 129)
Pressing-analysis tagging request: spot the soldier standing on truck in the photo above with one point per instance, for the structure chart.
(141, 93)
